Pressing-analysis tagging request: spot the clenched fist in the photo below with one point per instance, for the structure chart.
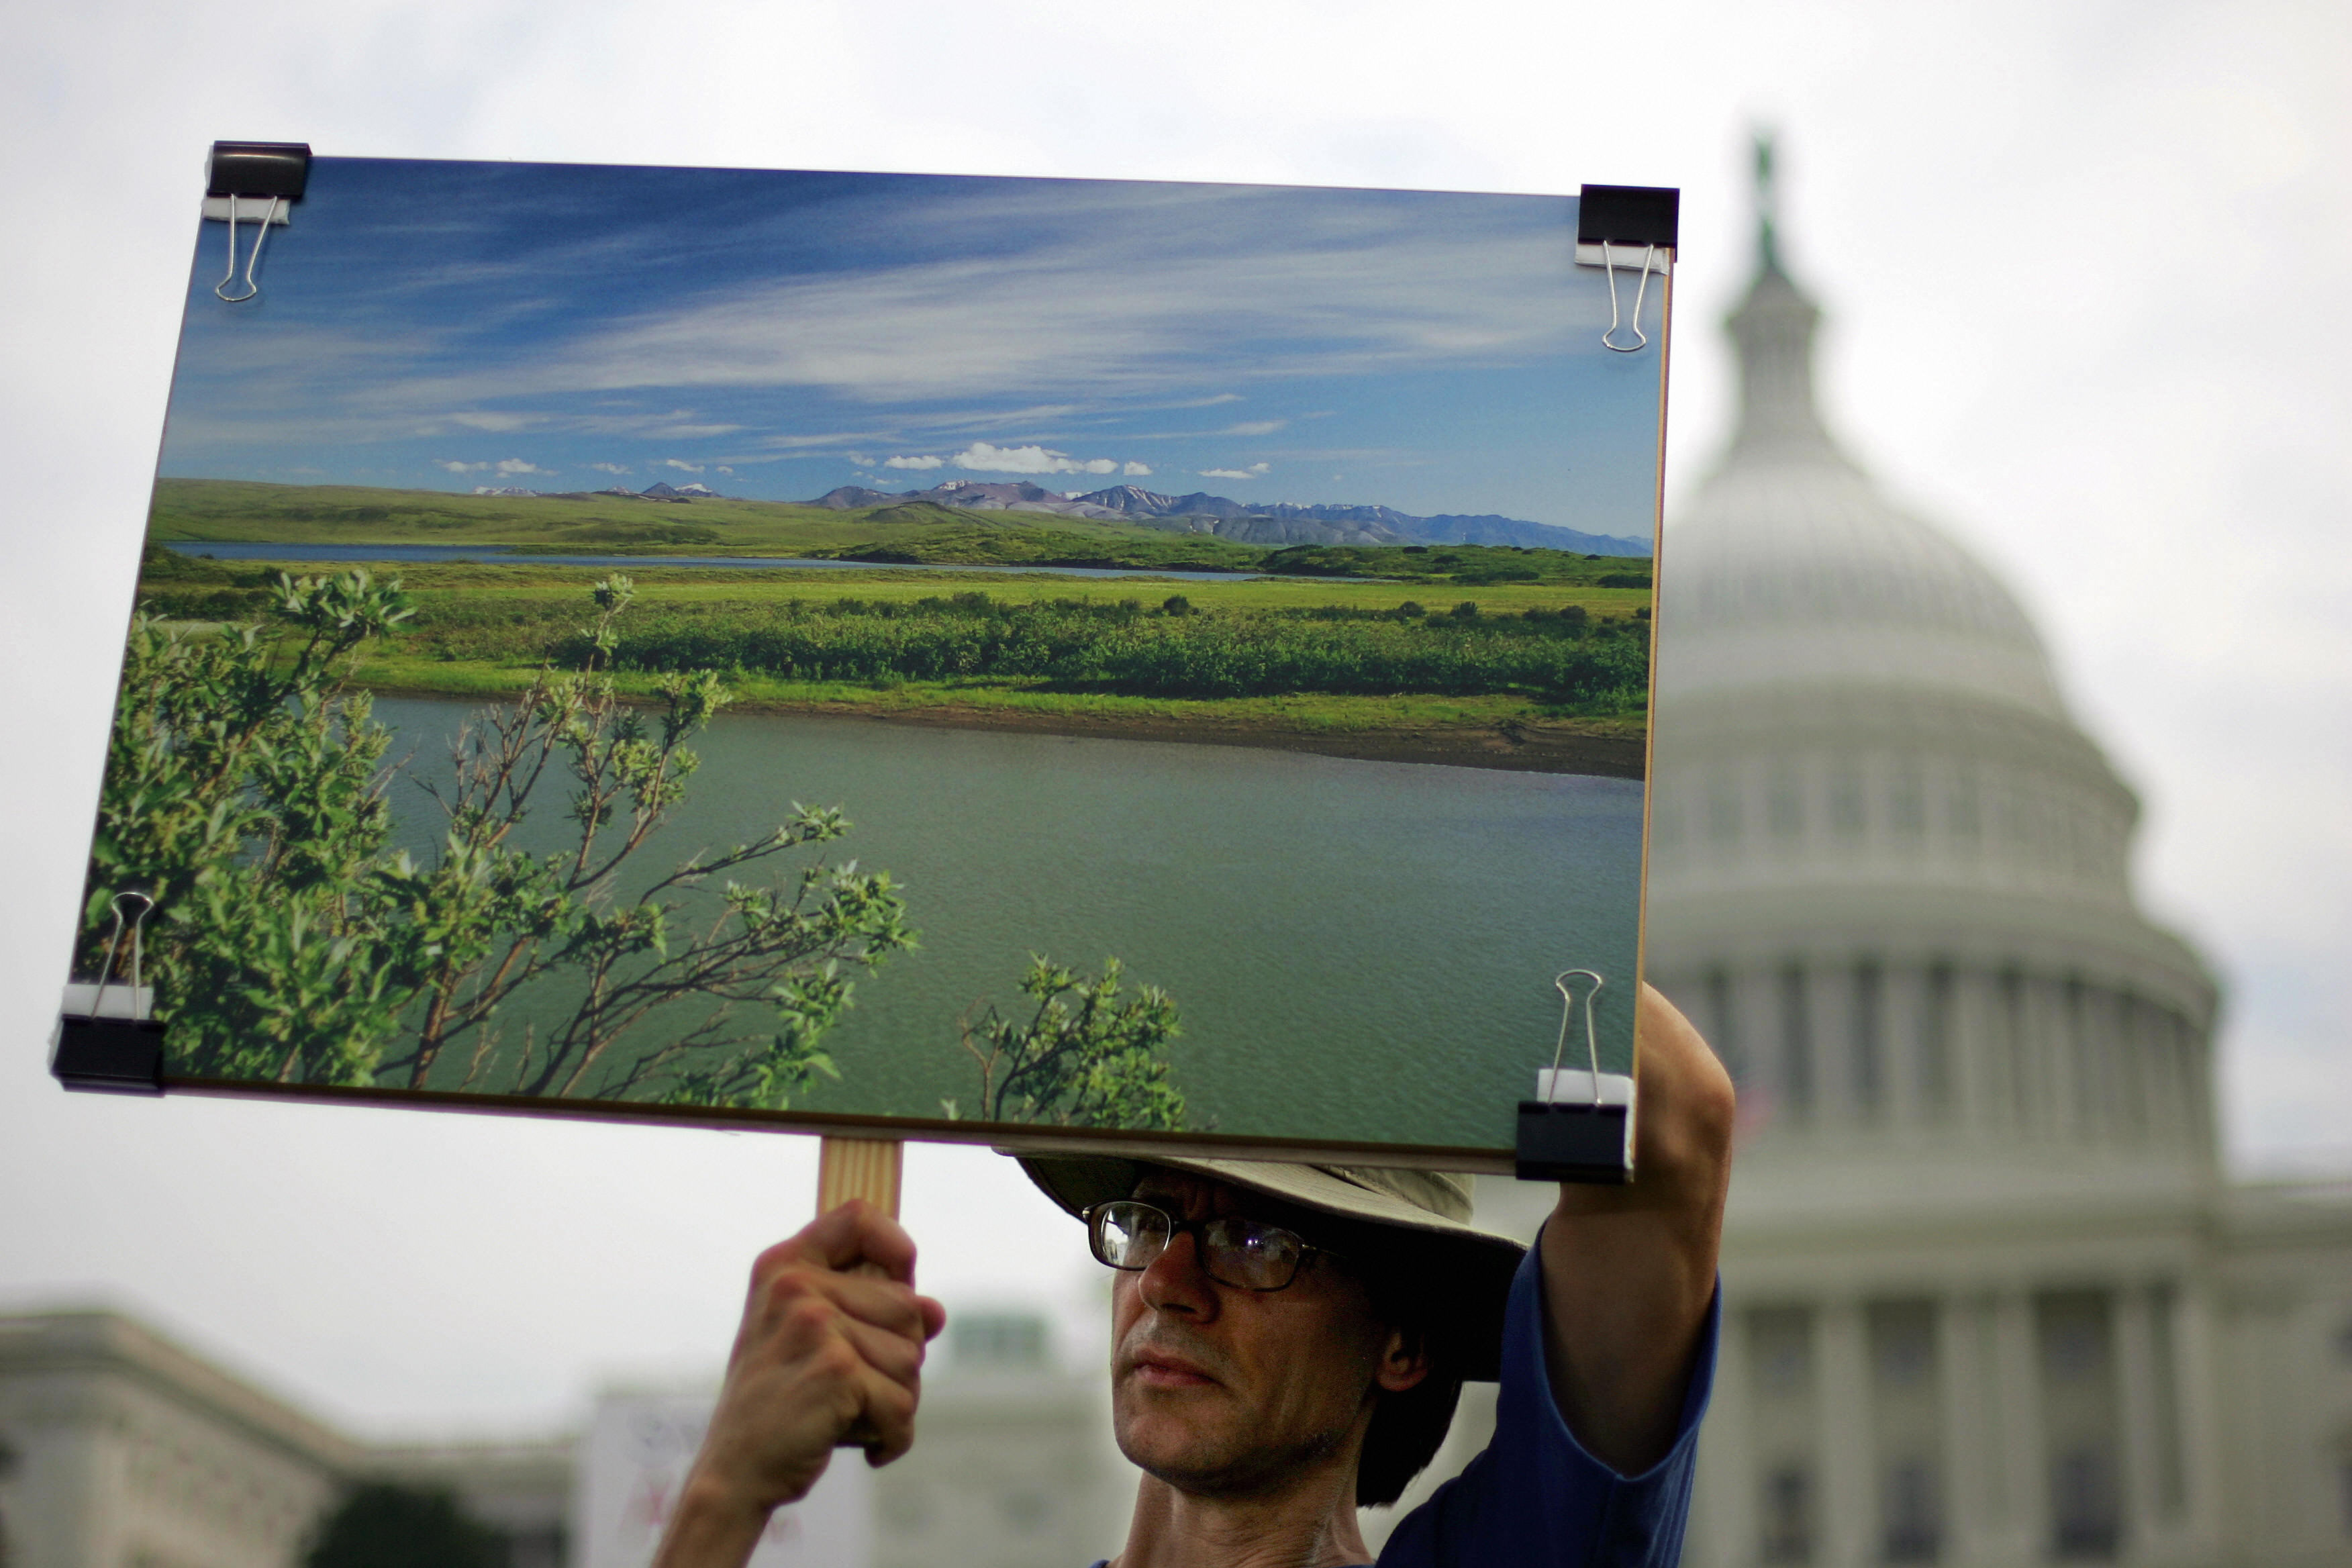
(830, 1353)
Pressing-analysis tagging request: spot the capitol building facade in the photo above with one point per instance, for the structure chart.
(1990, 1299)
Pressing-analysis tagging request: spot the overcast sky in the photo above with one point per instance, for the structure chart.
(554, 326)
(2084, 268)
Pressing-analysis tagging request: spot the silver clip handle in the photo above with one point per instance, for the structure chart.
(254, 260)
(1609, 339)
(146, 903)
(1568, 1011)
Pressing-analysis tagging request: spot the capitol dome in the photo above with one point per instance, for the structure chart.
(1792, 569)
(1890, 876)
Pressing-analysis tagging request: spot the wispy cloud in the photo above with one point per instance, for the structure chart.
(1255, 428)
(806, 441)
(913, 462)
(507, 465)
(1254, 471)
(1157, 287)
(610, 468)
(681, 465)
(980, 458)
(673, 425)
(1136, 470)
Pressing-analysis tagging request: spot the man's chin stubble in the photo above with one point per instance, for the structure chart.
(1227, 1466)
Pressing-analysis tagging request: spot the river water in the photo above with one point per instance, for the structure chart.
(1359, 949)
(498, 553)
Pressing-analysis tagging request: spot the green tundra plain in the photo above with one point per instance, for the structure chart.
(1483, 656)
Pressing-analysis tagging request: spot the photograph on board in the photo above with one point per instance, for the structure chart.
(1056, 652)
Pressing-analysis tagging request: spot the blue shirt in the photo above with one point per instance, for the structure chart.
(1535, 1498)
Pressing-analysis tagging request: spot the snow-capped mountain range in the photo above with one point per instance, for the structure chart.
(697, 491)
(1275, 522)
(1270, 522)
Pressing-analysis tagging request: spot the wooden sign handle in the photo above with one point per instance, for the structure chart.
(865, 1168)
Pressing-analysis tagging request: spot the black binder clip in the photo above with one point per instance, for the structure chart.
(1613, 223)
(106, 1039)
(1579, 1125)
(270, 172)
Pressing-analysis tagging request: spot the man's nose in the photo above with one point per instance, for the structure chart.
(1176, 1282)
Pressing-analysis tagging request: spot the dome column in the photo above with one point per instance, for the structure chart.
(1848, 1496)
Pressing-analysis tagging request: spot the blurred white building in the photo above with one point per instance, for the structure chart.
(119, 1450)
(1015, 1467)
(1990, 1299)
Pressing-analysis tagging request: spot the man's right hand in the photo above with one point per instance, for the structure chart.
(830, 1353)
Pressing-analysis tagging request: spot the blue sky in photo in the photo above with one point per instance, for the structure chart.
(560, 327)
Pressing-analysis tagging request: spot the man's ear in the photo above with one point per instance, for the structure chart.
(1405, 1361)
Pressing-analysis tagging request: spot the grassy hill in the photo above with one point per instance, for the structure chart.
(900, 533)
(190, 511)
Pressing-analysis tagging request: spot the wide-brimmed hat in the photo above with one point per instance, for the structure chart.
(1466, 1268)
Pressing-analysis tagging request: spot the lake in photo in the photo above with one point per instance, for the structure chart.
(1359, 949)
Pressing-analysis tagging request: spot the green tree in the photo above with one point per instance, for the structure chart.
(1084, 1057)
(7, 1468)
(379, 1525)
(245, 790)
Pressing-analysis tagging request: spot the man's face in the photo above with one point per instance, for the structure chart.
(1220, 1390)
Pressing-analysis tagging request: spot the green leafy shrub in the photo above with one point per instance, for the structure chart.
(1086, 1057)
(1078, 645)
(245, 791)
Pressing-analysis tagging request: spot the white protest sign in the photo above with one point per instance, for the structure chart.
(634, 1461)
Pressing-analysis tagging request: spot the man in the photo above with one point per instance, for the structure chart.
(1286, 1344)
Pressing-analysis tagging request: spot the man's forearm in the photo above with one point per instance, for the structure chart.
(1629, 1272)
(1621, 1333)
(713, 1527)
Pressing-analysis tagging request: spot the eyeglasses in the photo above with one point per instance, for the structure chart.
(1247, 1254)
